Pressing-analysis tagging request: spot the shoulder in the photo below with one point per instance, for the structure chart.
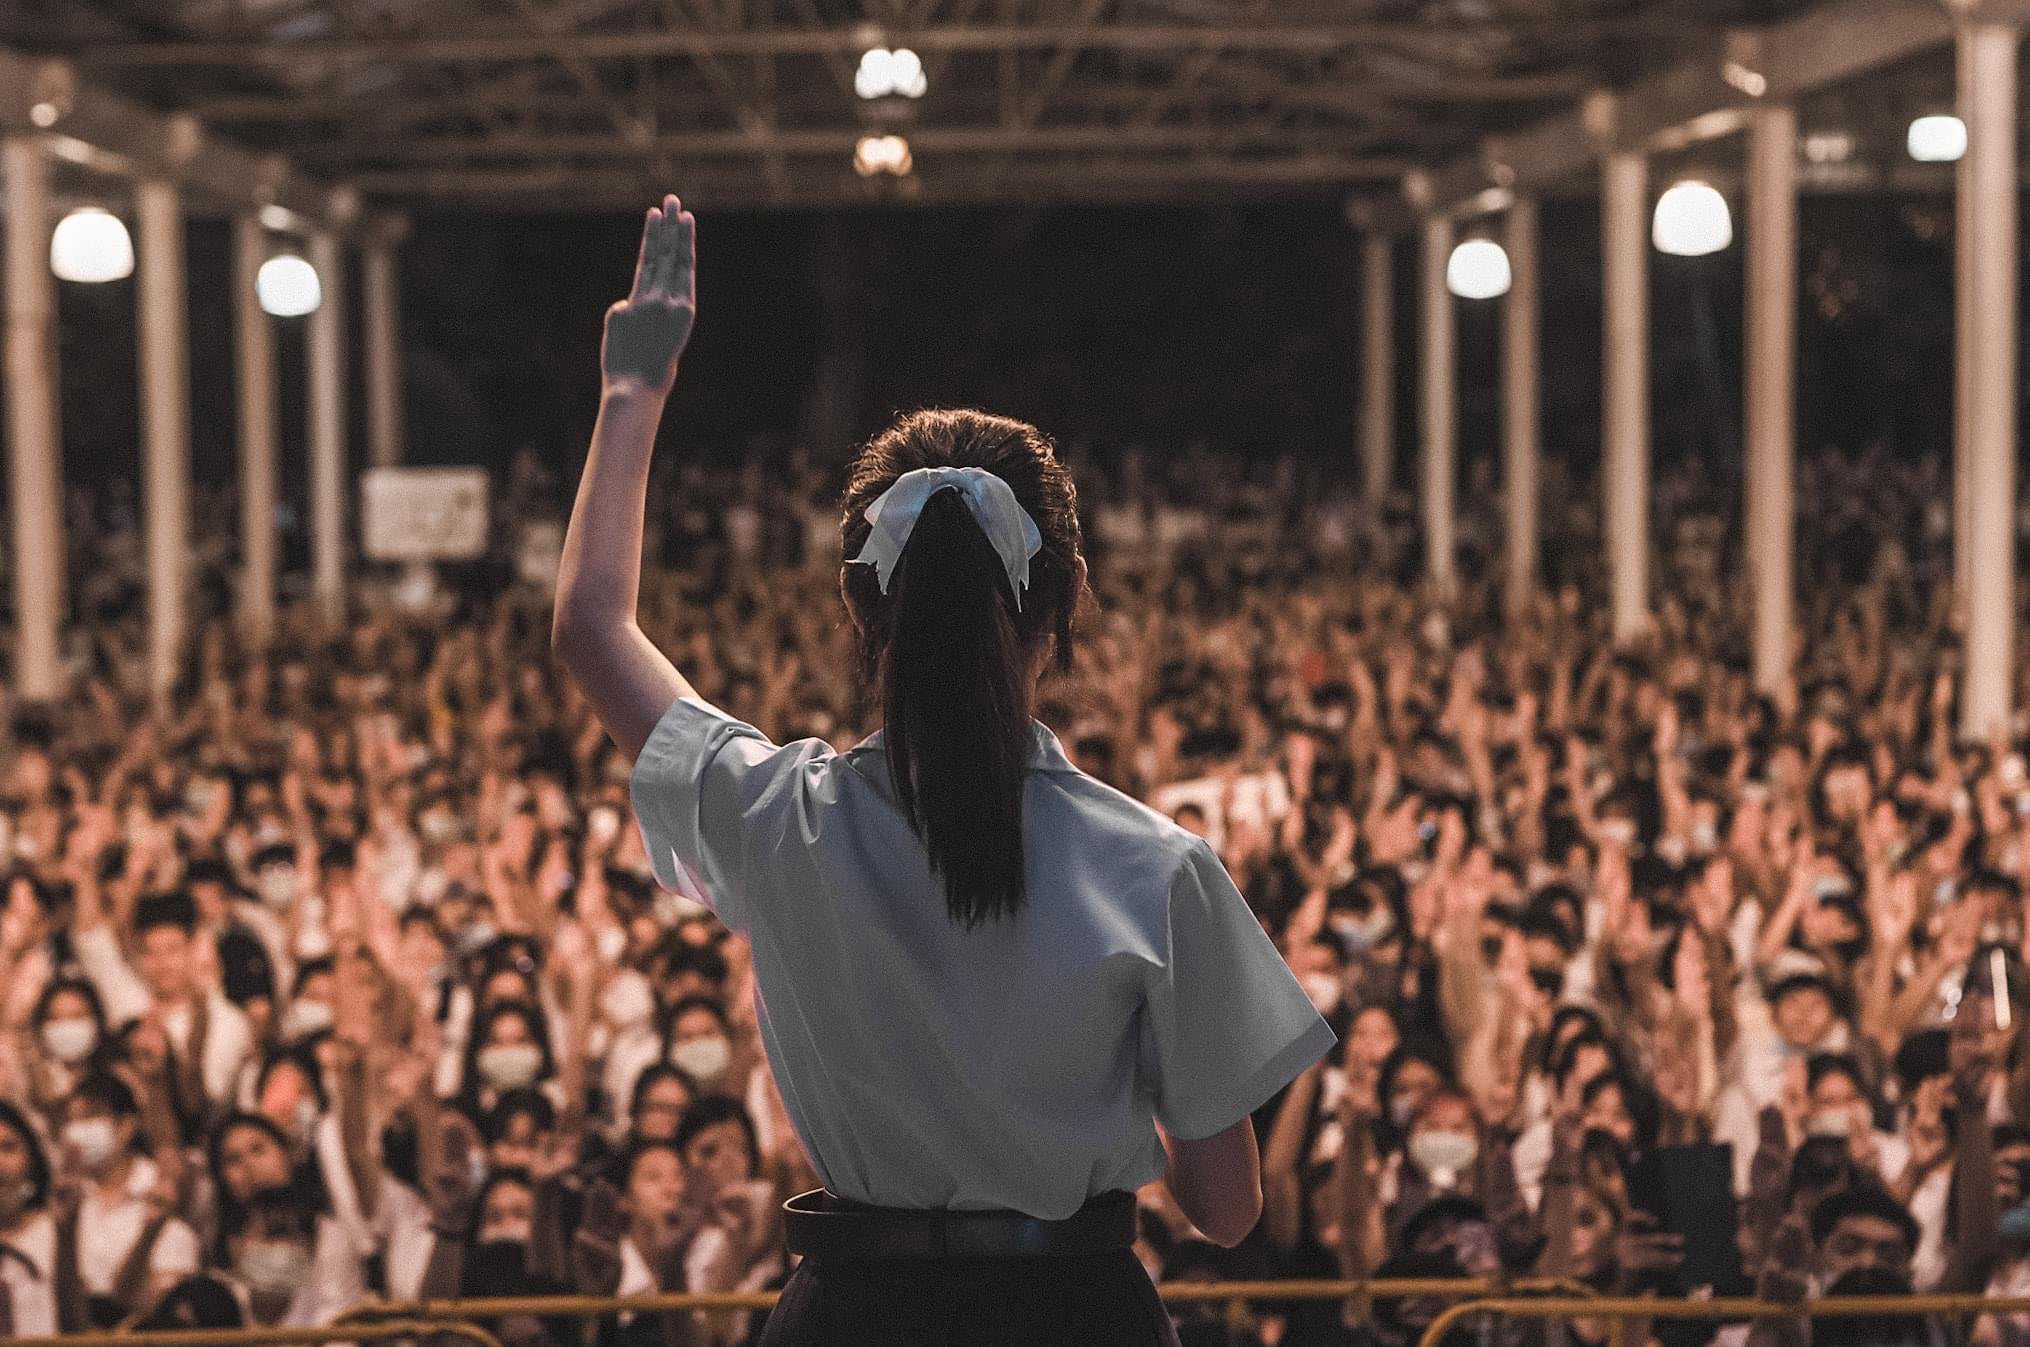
(1137, 834)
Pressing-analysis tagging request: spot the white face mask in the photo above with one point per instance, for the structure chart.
(1835, 1124)
(273, 1267)
(509, 1066)
(627, 1001)
(95, 1141)
(69, 1041)
(1323, 989)
(603, 822)
(279, 885)
(1620, 831)
(1444, 1155)
(702, 1058)
(306, 1018)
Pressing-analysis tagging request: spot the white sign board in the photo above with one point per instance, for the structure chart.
(540, 552)
(423, 514)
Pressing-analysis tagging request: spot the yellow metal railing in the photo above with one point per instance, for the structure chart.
(263, 1337)
(1618, 1311)
(1236, 1294)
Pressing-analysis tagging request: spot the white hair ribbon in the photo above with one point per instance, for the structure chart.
(1001, 517)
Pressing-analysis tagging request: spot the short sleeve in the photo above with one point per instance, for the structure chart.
(711, 794)
(1225, 1024)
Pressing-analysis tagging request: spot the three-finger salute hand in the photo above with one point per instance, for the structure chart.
(646, 332)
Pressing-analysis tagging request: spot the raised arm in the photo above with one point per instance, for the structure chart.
(593, 632)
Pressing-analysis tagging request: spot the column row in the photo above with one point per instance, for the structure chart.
(33, 425)
(1984, 415)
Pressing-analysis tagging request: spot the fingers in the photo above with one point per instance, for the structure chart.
(668, 252)
(684, 248)
(644, 256)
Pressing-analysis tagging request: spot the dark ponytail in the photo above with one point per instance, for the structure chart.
(950, 652)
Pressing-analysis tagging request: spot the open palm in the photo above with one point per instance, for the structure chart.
(646, 332)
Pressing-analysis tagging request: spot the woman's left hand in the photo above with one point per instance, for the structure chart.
(646, 332)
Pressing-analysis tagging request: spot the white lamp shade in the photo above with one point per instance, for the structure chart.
(881, 154)
(1939, 139)
(876, 76)
(287, 287)
(1692, 220)
(1477, 269)
(905, 70)
(91, 245)
(885, 74)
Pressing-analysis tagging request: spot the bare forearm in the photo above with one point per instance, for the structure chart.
(599, 574)
(628, 682)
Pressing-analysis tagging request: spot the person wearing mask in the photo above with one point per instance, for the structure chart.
(293, 1266)
(64, 1038)
(701, 1047)
(119, 1243)
(508, 1050)
(979, 922)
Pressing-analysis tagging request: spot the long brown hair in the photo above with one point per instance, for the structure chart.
(949, 652)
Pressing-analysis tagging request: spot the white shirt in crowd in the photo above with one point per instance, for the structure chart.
(228, 1038)
(108, 1230)
(29, 1281)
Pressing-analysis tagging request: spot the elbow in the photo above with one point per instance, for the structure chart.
(1231, 1234)
(1234, 1223)
(576, 630)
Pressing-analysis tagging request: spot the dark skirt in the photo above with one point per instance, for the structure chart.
(1103, 1299)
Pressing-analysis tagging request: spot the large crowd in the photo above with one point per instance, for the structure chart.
(345, 977)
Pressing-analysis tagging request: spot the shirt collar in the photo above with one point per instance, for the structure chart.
(1045, 752)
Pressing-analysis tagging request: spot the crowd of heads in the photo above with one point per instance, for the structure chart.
(339, 972)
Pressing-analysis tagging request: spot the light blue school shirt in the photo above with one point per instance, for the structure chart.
(1016, 1065)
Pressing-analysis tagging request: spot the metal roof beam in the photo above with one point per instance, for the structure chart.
(512, 46)
(739, 187)
(1372, 92)
(1709, 94)
(839, 141)
(105, 131)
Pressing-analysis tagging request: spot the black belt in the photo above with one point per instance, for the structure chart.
(822, 1222)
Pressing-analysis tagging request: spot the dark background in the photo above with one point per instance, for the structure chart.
(1237, 327)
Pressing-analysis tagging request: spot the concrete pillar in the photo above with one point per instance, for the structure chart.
(165, 428)
(34, 443)
(1625, 395)
(383, 313)
(325, 350)
(1377, 369)
(1521, 433)
(1439, 403)
(255, 347)
(1988, 296)
(1963, 340)
(1770, 386)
